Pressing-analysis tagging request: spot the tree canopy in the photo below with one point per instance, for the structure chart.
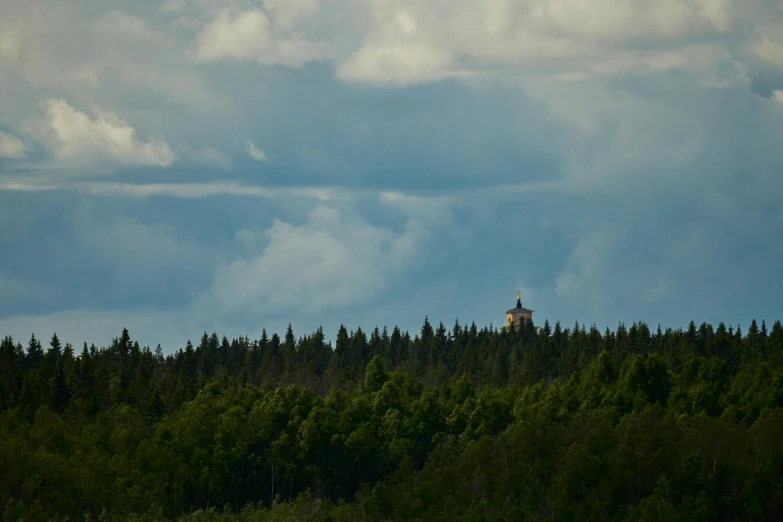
(455, 423)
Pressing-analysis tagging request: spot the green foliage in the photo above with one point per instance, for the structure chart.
(460, 424)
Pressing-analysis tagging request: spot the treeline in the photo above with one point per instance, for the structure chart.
(448, 424)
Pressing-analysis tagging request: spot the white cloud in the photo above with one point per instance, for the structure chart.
(82, 138)
(334, 260)
(398, 52)
(252, 36)
(11, 147)
(254, 152)
(177, 190)
(391, 41)
(204, 190)
(397, 64)
(21, 186)
(181, 190)
(395, 42)
(778, 96)
(769, 51)
(93, 55)
(419, 42)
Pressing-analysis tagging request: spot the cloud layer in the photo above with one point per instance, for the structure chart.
(618, 160)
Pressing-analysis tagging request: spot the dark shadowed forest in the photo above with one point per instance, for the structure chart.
(449, 424)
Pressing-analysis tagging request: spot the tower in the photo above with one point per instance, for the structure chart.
(516, 315)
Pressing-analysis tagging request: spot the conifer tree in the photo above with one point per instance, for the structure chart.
(35, 353)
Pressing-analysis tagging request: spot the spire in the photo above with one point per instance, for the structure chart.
(519, 300)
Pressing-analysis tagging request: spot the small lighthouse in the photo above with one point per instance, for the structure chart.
(516, 315)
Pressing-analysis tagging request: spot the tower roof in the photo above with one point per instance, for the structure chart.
(518, 309)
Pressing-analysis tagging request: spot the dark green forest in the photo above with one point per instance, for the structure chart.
(448, 424)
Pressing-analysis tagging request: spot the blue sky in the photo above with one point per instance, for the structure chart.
(229, 165)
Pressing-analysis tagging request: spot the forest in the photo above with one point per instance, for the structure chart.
(445, 424)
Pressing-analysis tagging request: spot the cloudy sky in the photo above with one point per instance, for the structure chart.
(228, 165)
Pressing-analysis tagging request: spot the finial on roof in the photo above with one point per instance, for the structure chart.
(519, 299)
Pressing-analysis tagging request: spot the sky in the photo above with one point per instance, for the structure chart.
(183, 166)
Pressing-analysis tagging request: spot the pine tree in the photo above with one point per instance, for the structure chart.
(359, 352)
(546, 330)
(35, 354)
(396, 352)
(289, 354)
(124, 344)
(10, 374)
(68, 352)
(55, 347)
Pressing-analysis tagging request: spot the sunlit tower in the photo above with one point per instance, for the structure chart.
(516, 315)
